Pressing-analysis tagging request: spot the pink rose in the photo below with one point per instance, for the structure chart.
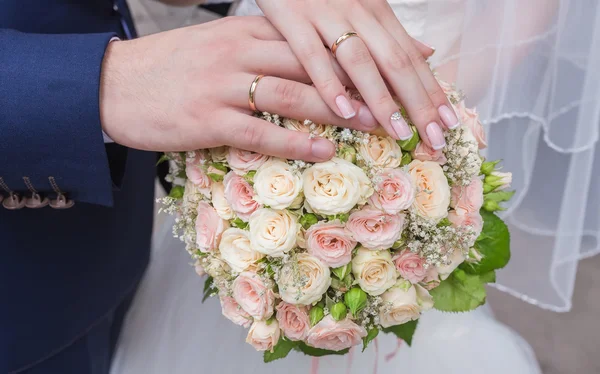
(425, 153)
(331, 243)
(293, 320)
(410, 266)
(447, 87)
(432, 279)
(233, 312)
(394, 191)
(263, 336)
(194, 170)
(209, 227)
(470, 118)
(374, 229)
(469, 219)
(467, 199)
(240, 196)
(244, 161)
(199, 268)
(253, 295)
(335, 336)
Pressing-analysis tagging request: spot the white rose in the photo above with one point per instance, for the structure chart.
(433, 192)
(455, 259)
(303, 282)
(403, 303)
(276, 184)
(217, 268)
(374, 270)
(219, 154)
(236, 250)
(313, 128)
(381, 151)
(192, 195)
(263, 336)
(220, 203)
(335, 186)
(273, 232)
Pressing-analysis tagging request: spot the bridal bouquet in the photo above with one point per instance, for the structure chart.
(323, 257)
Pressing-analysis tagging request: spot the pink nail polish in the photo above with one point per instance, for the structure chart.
(449, 117)
(403, 132)
(436, 136)
(366, 117)
(345, 107)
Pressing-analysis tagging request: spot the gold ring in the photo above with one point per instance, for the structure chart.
(339, 41)
(251, 102)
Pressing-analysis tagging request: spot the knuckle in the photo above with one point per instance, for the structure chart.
(289, 95)
(384, 99)
(325, 85)
(294, 147)
(398, 59)
(252, 136)
(426, 113)
(359, 54)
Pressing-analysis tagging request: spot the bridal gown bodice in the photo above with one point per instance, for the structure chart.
(170, 330)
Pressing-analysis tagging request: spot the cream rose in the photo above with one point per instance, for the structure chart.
(253, 295)
(293, 320)
(423, 152)
(219, 201)
(403, 303)
(335, 335)
(195, 172)
(470, 118)
(219, 154)
(331, 243)
(381, 151)
(335, 186)
(236, 250)
(242, 161)
(313, 128)
(263, 336)
(375, 229)
(276, 184)
(303, 282)
(467, 199)
(233, 312)
(433, 192)
(273, 232)
(239, 194)
(209, 227)
(374, 270)
(394, 191)
(454, 260)
(410, 266)
(217, 268)
(191, 195)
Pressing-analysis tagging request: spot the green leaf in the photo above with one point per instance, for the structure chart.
(219, 166)
(176, 192)
(317, 352)
(216, 177)
(404, 331)
(499, 196)
(281, 350)
(372, 334)
(162, 159)
(308, 220)
(316, 314)
(493, 245)
(239, 223)
(342, 271)
(460, 292)
(488, 277)
(209, 288)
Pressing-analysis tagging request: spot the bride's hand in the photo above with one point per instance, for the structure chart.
(188, 89)
(383, 52)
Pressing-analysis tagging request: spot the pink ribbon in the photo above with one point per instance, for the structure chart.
(393, 354)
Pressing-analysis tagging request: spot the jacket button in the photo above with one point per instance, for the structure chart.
(13, 202)
(61, 202)
(36, 201)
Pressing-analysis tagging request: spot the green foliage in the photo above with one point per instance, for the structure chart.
(281, 350)
(209, 288)
(216, 177)
(461, 291)
(315, 315)
(342, 271)
(239, 223)
(317, 352)
(339, 311)
(404, 331)
(308, 220)
(162, 159)
(371, 334)
(176, 192)
(493, 244)
(355, 299)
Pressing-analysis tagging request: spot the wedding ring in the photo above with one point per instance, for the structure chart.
(339, 41)
(251, 102)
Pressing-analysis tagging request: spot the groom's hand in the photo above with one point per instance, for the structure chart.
(188, 89)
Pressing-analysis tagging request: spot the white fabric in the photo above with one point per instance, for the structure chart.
(169, 330)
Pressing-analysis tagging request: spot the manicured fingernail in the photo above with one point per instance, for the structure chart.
(345, 107)
(366, 117)
(403, 132)
(436, 136)
(448, 116)
(430, 47)
(322, 149)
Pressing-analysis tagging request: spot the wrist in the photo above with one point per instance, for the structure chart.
(108, 81)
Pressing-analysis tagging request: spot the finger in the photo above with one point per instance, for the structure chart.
(353, 55)
(259, 27)
(424, 49)
(295, 100)
(397, 67)
(254, 134)
(276, 58)
(414, 51)
(308, 46)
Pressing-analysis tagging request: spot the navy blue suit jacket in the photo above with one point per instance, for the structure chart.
(63, 270)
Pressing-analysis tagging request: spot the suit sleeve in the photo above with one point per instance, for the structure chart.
(49, 114)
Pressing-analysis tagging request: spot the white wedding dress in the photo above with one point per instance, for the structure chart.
(169, 329)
